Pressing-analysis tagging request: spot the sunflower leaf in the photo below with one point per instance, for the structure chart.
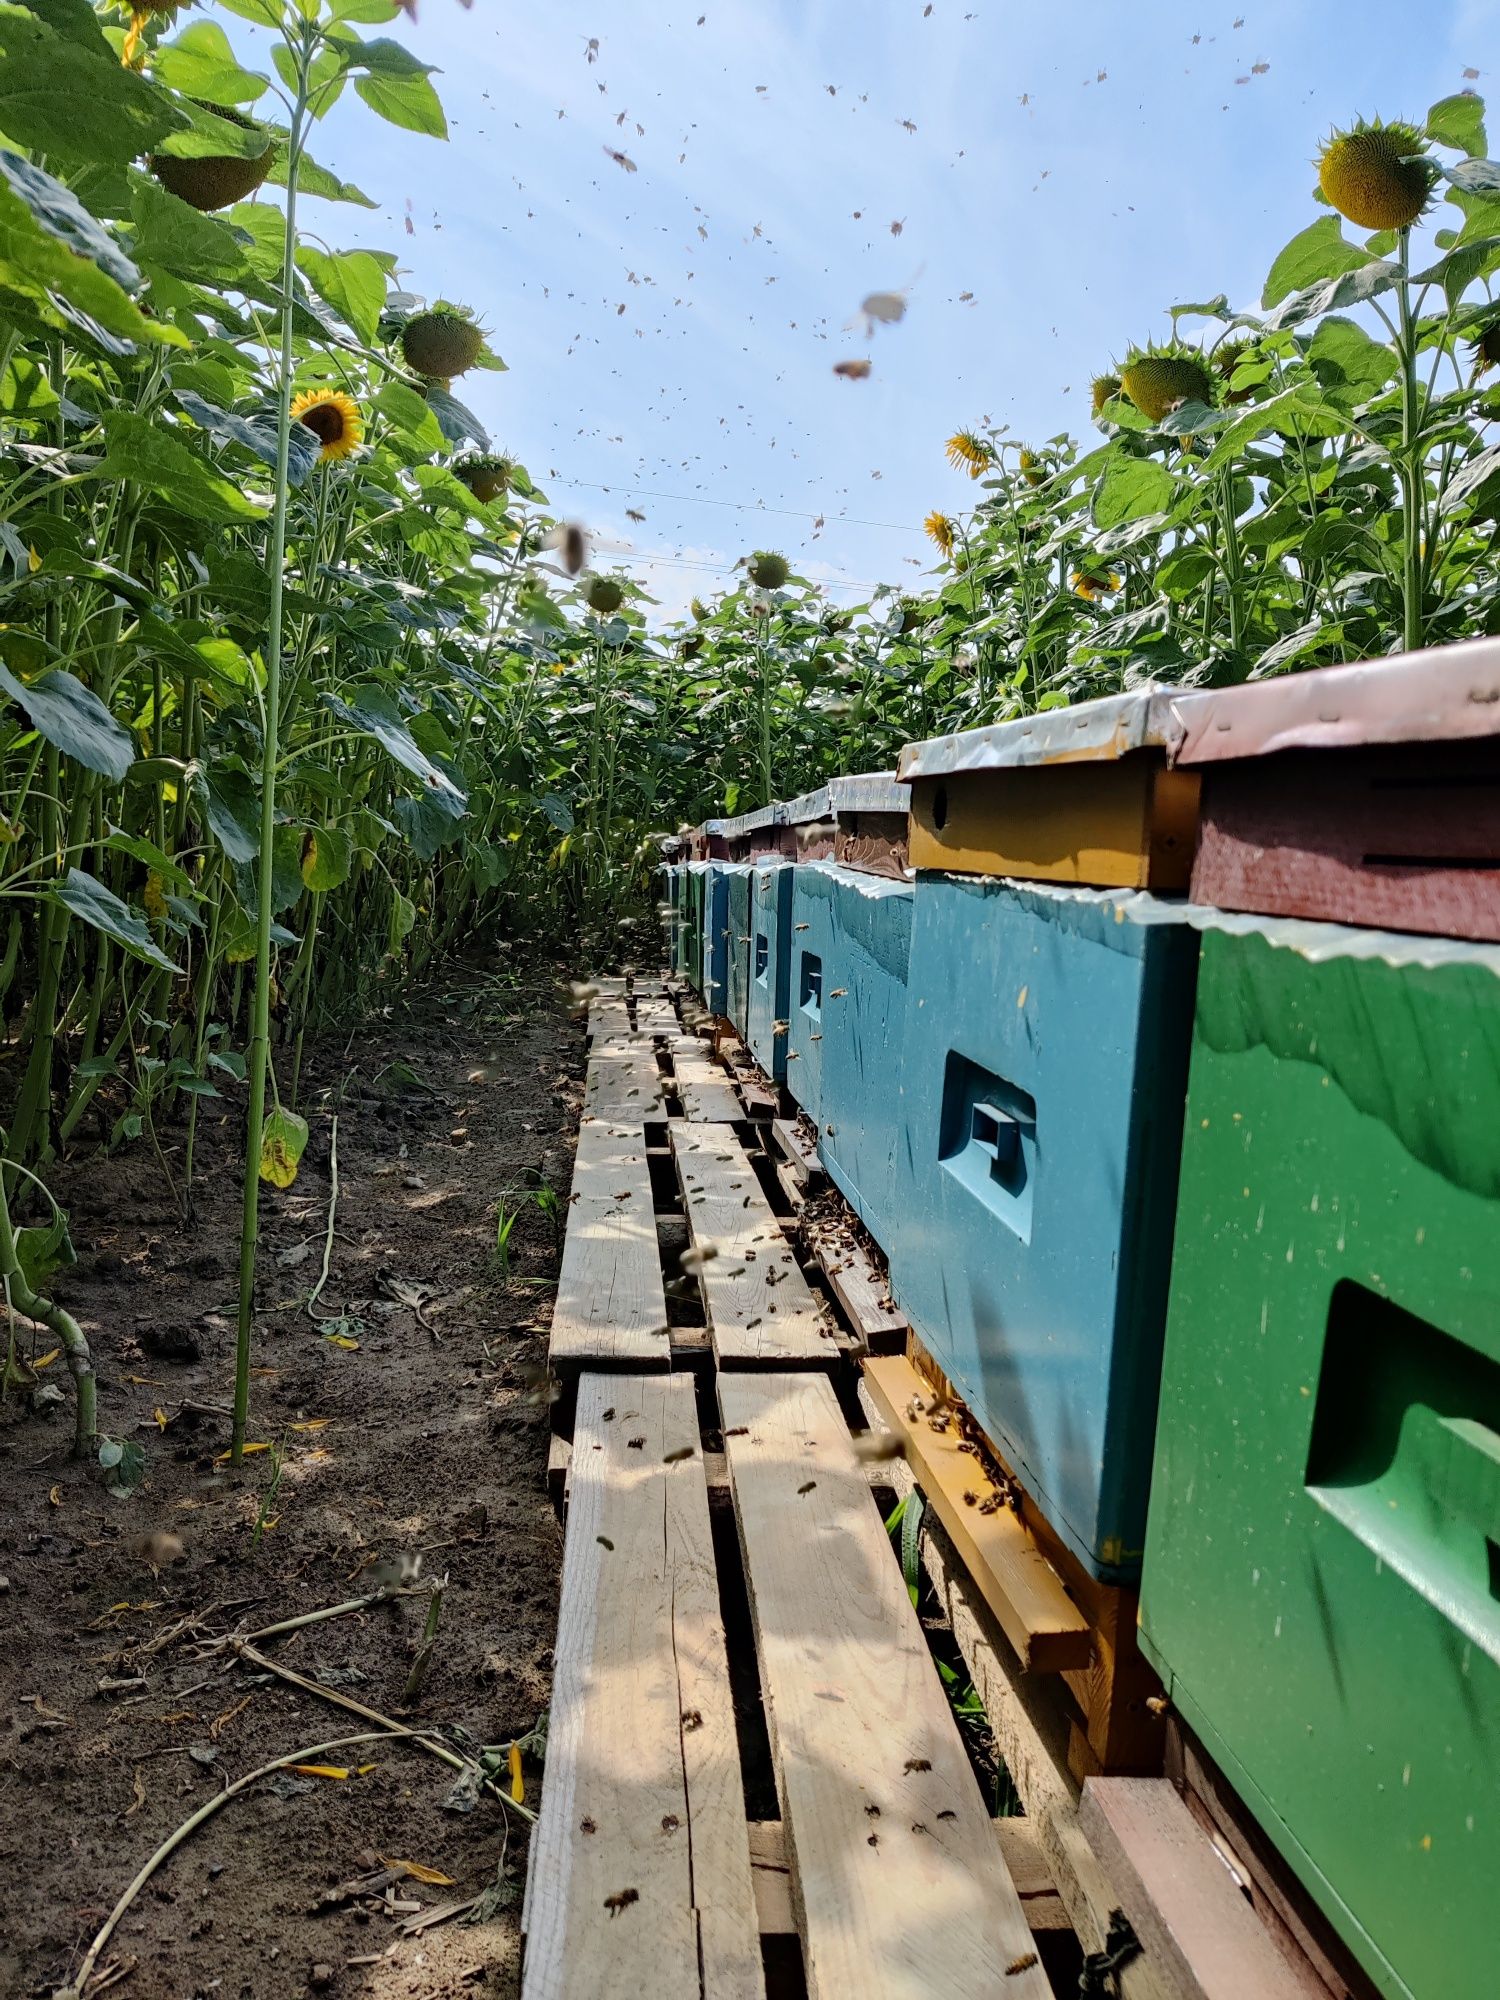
(172, 235)
(200, 63)
(82, 897)
(74, 720)
(1458, 121)
(371, 711)
(52, 252)
(352, 282)
(255, 434)
(456, 420)
(1317, 252)
(147, 452)
(46, 76)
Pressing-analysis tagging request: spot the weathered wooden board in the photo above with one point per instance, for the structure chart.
(1020, 1843)
(897, 1878)
(1028, 1717)
(760, 1309)
(609, 1019)
(1199, 1931)
(703, 1085)
(640, 1876)
(611, 1306)
(624, 1082)
(1041, 1621)
(656, 1016)
(864, 1292)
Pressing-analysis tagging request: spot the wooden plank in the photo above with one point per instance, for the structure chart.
(1020, 1586)
(703, 1085)
(1026, 1714)
(611, 1306)
(656, 1016)
(863, 1290)
(1019, 1841)
(609, 1018)
(799, 1152)
(624, 1082)
(899, 1884)
(1183, 1904)
(640, 1868)
(760, 1309)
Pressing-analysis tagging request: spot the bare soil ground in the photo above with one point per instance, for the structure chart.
(118, 1718)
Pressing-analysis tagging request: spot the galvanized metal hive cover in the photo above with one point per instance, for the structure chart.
(1091, 731)
(869, 792)
(1442, 695)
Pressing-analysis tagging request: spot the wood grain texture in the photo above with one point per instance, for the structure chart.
(760, 1309)
(1202, 1935)
(656, 1016)
(642, 1791)
(611, 1306)
(864, 1291)
(1128, 822)
(1020, 1844)
(1041, 1621)
(1401, 840)
(1028, 1716)
(703, 1085)
(899, 1883)
(624, 1082)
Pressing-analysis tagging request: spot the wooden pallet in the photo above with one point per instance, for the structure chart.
(760, 1309)
(1118, 1727)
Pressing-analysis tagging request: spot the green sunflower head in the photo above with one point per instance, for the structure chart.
(1103, 389)
(1376, 175)
(604, 595)
(1157, 379)
(768, 570)
(441, 343)
(486, 475)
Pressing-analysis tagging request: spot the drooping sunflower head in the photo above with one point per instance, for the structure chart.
(1031, 468)
(942, 529)
(486, 475)
(1376, 175)
(768, 570)
(911, 613)
(140, 13)
(216, 180)
(1484, 348)
(1103, 389)
(699, 609)
(1226, 359)
(1157, 379)
(1094, 583)
(604, 595)
(442, 342)
(967, 451)
(334, 419)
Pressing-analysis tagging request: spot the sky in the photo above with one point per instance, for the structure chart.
(1040, 182)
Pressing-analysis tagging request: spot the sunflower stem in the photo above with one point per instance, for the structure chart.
(258, 1051)
(1411, 463)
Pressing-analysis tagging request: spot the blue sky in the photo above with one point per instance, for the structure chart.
(671, 332)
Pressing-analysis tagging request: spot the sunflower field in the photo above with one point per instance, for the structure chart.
(304, 686)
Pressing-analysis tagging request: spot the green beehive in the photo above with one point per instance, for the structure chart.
(1321, 1585)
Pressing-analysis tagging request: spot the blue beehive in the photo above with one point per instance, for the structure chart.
(770, 933)
(712, 907)
(853, 959)
(1045, 1065)
(733, 881)
(811, 950)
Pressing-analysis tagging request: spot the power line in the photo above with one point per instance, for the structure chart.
(744, 506)
(728, 569)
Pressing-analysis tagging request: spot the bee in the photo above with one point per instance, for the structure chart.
(1022, 1964)
(838, 993)
(676, 1457)
(853, 371)
(621, 1900)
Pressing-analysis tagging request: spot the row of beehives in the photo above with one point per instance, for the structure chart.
(1183, 1142)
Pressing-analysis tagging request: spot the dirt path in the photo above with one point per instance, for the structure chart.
(415, 1443)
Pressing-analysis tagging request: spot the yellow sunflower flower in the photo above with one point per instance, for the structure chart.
(1094, 583)
(1031, 468)
(140, 13)
(334, 417)
(941, 529)
(968, 452)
